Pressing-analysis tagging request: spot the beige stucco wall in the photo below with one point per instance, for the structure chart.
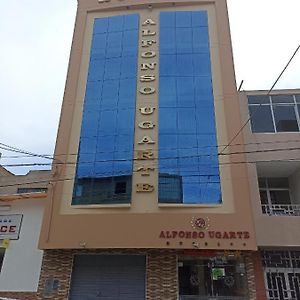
(148, 202)
(9, 183)
(140, 224)
(281, 161)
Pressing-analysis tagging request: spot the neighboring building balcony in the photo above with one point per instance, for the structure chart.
(276, 203)
(276, 197)
(281, 209)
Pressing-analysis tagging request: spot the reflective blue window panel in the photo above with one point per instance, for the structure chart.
(104, 166)
(188, 156)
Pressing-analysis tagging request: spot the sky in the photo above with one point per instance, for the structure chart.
(35, 42)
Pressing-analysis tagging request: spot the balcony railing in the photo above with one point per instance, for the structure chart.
(281, 209)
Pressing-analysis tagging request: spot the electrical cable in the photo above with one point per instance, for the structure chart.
(135, 171)
(17, 150)
(160, 159)
(187, 148)
(248, 120)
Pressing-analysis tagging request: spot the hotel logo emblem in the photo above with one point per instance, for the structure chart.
(200, 223)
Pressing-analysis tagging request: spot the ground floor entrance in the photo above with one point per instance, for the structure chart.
(152, 274)
(108, 277)
(215, 277)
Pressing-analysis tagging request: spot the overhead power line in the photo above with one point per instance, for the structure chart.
(17, 150)
(159, 158)
(177, 148)
(274, 84)
(125, 173)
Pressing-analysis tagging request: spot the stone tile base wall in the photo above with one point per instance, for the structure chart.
(162, 282)
(250, 276)
(255, 276)
(261, 293)
(161, 270)
(57, 264)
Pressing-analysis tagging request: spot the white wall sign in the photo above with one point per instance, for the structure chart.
(10, 226)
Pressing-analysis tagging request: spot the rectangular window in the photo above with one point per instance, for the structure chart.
(31, 190)
(107, 132)
(188, 156)
(275, 197)
(276, 113)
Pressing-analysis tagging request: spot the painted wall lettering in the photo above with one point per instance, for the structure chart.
(148, 110)
(148, 66)
(147, 78)
(218, 235)
(146, 140)
(148, 54)
(148, 22)
(148, 43)
(148, 70)
(148, 32)
(147, 90)
(146, 125)
(144, 188)
(145, 171)
(145, 154)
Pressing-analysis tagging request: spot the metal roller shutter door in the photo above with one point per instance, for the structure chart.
(108, 277)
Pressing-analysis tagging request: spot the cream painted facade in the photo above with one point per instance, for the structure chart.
(22, 262)
(66, 226)
(275, 155)
(22, 259)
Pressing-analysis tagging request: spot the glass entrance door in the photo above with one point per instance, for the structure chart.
(212, 279)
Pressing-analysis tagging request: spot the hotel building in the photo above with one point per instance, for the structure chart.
(149, 198)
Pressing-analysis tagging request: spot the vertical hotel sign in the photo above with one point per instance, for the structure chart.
(146, 105)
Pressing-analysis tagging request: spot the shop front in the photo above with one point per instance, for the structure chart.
(212, 275)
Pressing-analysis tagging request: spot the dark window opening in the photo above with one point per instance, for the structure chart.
(31, 190)
(120, 188)
(276, 197)
(277, 113)
(106, 190)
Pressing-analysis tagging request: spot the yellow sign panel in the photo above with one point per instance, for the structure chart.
(5, 243)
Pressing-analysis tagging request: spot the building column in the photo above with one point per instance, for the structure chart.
(162, 275)
(259, 276)
(250, 276)
(55, 275)
(255, 276)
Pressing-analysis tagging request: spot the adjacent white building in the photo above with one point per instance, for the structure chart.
(22, 200)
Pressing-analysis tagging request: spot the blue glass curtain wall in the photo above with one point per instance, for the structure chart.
(188, 160)
(104, 166)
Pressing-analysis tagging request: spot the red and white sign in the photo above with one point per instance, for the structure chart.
(10, 226)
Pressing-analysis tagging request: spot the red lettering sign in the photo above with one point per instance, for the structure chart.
(200, 234)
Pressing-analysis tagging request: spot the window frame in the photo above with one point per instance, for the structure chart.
(269, 189)
(271, 104)
(271, 208)
(22, 190)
